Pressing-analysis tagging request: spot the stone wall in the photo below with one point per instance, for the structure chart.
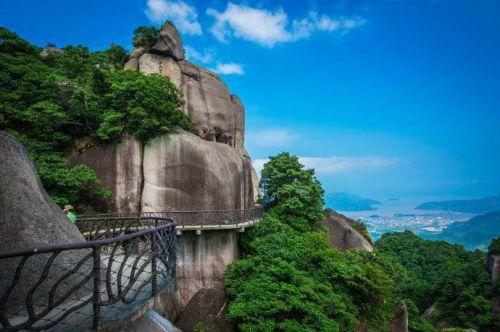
(202, 260)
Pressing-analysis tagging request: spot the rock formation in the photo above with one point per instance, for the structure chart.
(205, 312)
(119, 167)
(218, 115)
(183, 171)
(493, 264)
(180, 171)
(342, 235)
(400, 321)
(29, 218)
(151, 321)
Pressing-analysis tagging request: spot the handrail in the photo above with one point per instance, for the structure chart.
(88, 284)
(83, 245)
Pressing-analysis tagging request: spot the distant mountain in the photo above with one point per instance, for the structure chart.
(476, 233)
(482, 205)
(348, 202)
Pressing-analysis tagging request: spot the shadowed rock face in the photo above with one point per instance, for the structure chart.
(343, 236)
(119, 167)
(400, 321)
(185, 173)
(205, 312)
(29, 218)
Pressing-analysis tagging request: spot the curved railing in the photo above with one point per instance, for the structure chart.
(192, 220)
(125, 262)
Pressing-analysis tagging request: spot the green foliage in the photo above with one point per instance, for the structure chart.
(293, 281)
(494, 247)
(445, 274)
(143, 105)
(146, 36)
(291, 189)
(290, 279)
(49, 101)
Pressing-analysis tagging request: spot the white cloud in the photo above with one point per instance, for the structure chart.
(335, 164)
(267, 27)
(272, 137)
(184, 16)
(229, 68)
(192, 54)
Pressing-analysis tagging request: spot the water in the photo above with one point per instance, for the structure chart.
(398, 215)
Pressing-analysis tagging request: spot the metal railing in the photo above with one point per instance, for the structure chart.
(205, 219)
(125, 262)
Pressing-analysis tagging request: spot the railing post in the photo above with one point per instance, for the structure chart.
(154, 282)
(96, 271)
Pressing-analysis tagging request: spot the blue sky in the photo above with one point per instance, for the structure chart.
(383, 98)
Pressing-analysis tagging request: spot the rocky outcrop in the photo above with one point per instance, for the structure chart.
(182, 172)
(170, 42)
(400, 321)
(205, 312)
(493, 264)
(202, 260)
(119, 167)
(151, 321)
(29, 218)
(218, 115)
(342, 235)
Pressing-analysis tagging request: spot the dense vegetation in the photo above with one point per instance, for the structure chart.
(494, 247)
(446, 275)
(475, 233)
(291, 280)
(52, 98)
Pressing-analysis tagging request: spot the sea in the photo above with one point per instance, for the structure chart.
(399, 214)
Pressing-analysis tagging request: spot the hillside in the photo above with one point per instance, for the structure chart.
(445, 275)
(479, 206)
(476, 233)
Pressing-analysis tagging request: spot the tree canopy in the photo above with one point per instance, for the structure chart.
(49, 99)
(290, 279)
(445, 275)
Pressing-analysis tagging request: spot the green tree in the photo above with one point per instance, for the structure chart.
(142, 105)
(291, 189)
(494, 247)
(146, 36)
(447, 275)
(290, 279)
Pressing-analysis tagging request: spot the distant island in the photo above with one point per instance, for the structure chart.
(479, 206)
(350, 203)
(476, 233)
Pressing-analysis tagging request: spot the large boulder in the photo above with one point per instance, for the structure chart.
(205, 312)
(29, 219)
(399, 323)
(119, 167)
(218, 114)
(170, 42)
(183, 172)
(151, 321)
(342, 234)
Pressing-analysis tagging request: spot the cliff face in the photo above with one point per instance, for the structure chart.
(29, 218)
(342, 235)
(180, 171)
